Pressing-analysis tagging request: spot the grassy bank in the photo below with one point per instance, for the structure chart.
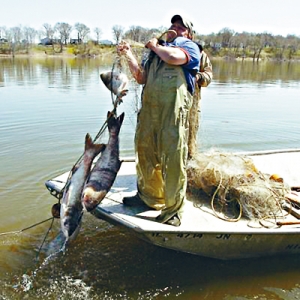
(92, 50)
(82, 50)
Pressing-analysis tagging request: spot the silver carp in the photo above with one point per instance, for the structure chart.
(116, 82)
(104, 173)
(71, 208)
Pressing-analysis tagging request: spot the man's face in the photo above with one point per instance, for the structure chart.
(180, 29)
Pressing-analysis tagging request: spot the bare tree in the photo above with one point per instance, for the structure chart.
(159, 30)
(49, 31)
(146, 34)
(29, 34)
(280, 45)
(135, 33)
(293, 44)
(258, 41)
(255, 44)
(142, 35)
(117, 31)
(266, 39)
(8, 34)
(82, 30)
(17, 34)
(235, 43)
(212, 40)
(245, 42)
(64, 31)
(2, 31)
(225, 34)
(98, 32)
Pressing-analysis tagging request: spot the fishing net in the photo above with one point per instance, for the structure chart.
(234, 186)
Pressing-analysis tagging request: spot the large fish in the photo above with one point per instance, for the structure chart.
(71, 207)
(116, 82)
(106, 168)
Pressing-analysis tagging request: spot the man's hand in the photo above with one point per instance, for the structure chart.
(152, 43)
(123, 48)
(199, 78)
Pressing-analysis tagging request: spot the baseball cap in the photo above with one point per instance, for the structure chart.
(185, 22)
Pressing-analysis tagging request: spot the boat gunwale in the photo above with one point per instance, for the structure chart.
(112, 217)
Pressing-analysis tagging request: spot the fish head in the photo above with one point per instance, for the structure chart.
(71, 221)
(116, 82)
(91, 198)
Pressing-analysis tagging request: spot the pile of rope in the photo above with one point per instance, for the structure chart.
(234, 186)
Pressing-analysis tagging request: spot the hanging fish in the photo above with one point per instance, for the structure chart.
(71, 207)
(116, 82)
(103, 175)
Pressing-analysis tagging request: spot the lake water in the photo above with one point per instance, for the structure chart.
(47, 106)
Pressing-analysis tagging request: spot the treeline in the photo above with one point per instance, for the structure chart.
(225, 43)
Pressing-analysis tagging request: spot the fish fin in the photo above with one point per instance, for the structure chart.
(122, 93)
(102, 147)
(56, 245)
(113, 121)
(110, 114)
(106, 79)
(99, 147)
(88, 141)
(121, 118)
(90, 144)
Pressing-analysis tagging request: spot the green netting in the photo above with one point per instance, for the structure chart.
(234, 186)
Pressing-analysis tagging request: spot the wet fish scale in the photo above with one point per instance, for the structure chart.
(106, 168)
(71, 206)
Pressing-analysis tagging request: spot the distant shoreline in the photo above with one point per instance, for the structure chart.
(103, 54)
(56, 55)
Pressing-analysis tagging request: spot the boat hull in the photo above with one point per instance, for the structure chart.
(220, 242)
(201, 231)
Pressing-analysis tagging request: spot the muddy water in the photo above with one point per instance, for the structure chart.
(46, 108)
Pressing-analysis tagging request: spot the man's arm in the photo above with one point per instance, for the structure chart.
(205, 75)
(170, 55)
(136, 70)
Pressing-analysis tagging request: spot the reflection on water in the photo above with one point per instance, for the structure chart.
(258, 73)
(73, 72)
(47, 105)
(67, 73)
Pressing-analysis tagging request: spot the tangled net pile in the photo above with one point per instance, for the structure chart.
(232, 182)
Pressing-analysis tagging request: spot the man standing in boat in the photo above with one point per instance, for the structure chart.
(161, 139)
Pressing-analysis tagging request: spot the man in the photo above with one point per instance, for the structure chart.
(203, 79)
(162, 129)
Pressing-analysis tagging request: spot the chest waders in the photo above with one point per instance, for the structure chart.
(161, 139)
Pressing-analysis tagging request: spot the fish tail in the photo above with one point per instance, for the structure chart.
(113, 122)
(90, 145)
(121, 119)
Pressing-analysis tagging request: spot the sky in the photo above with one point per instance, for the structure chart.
(278, 17)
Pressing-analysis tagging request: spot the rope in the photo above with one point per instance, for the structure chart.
(251, 193)
(115, 103)
(26, 228)
(31, 226)
(213, 208)
(43, 242)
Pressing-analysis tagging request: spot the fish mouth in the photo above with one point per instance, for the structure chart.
(72, 224)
